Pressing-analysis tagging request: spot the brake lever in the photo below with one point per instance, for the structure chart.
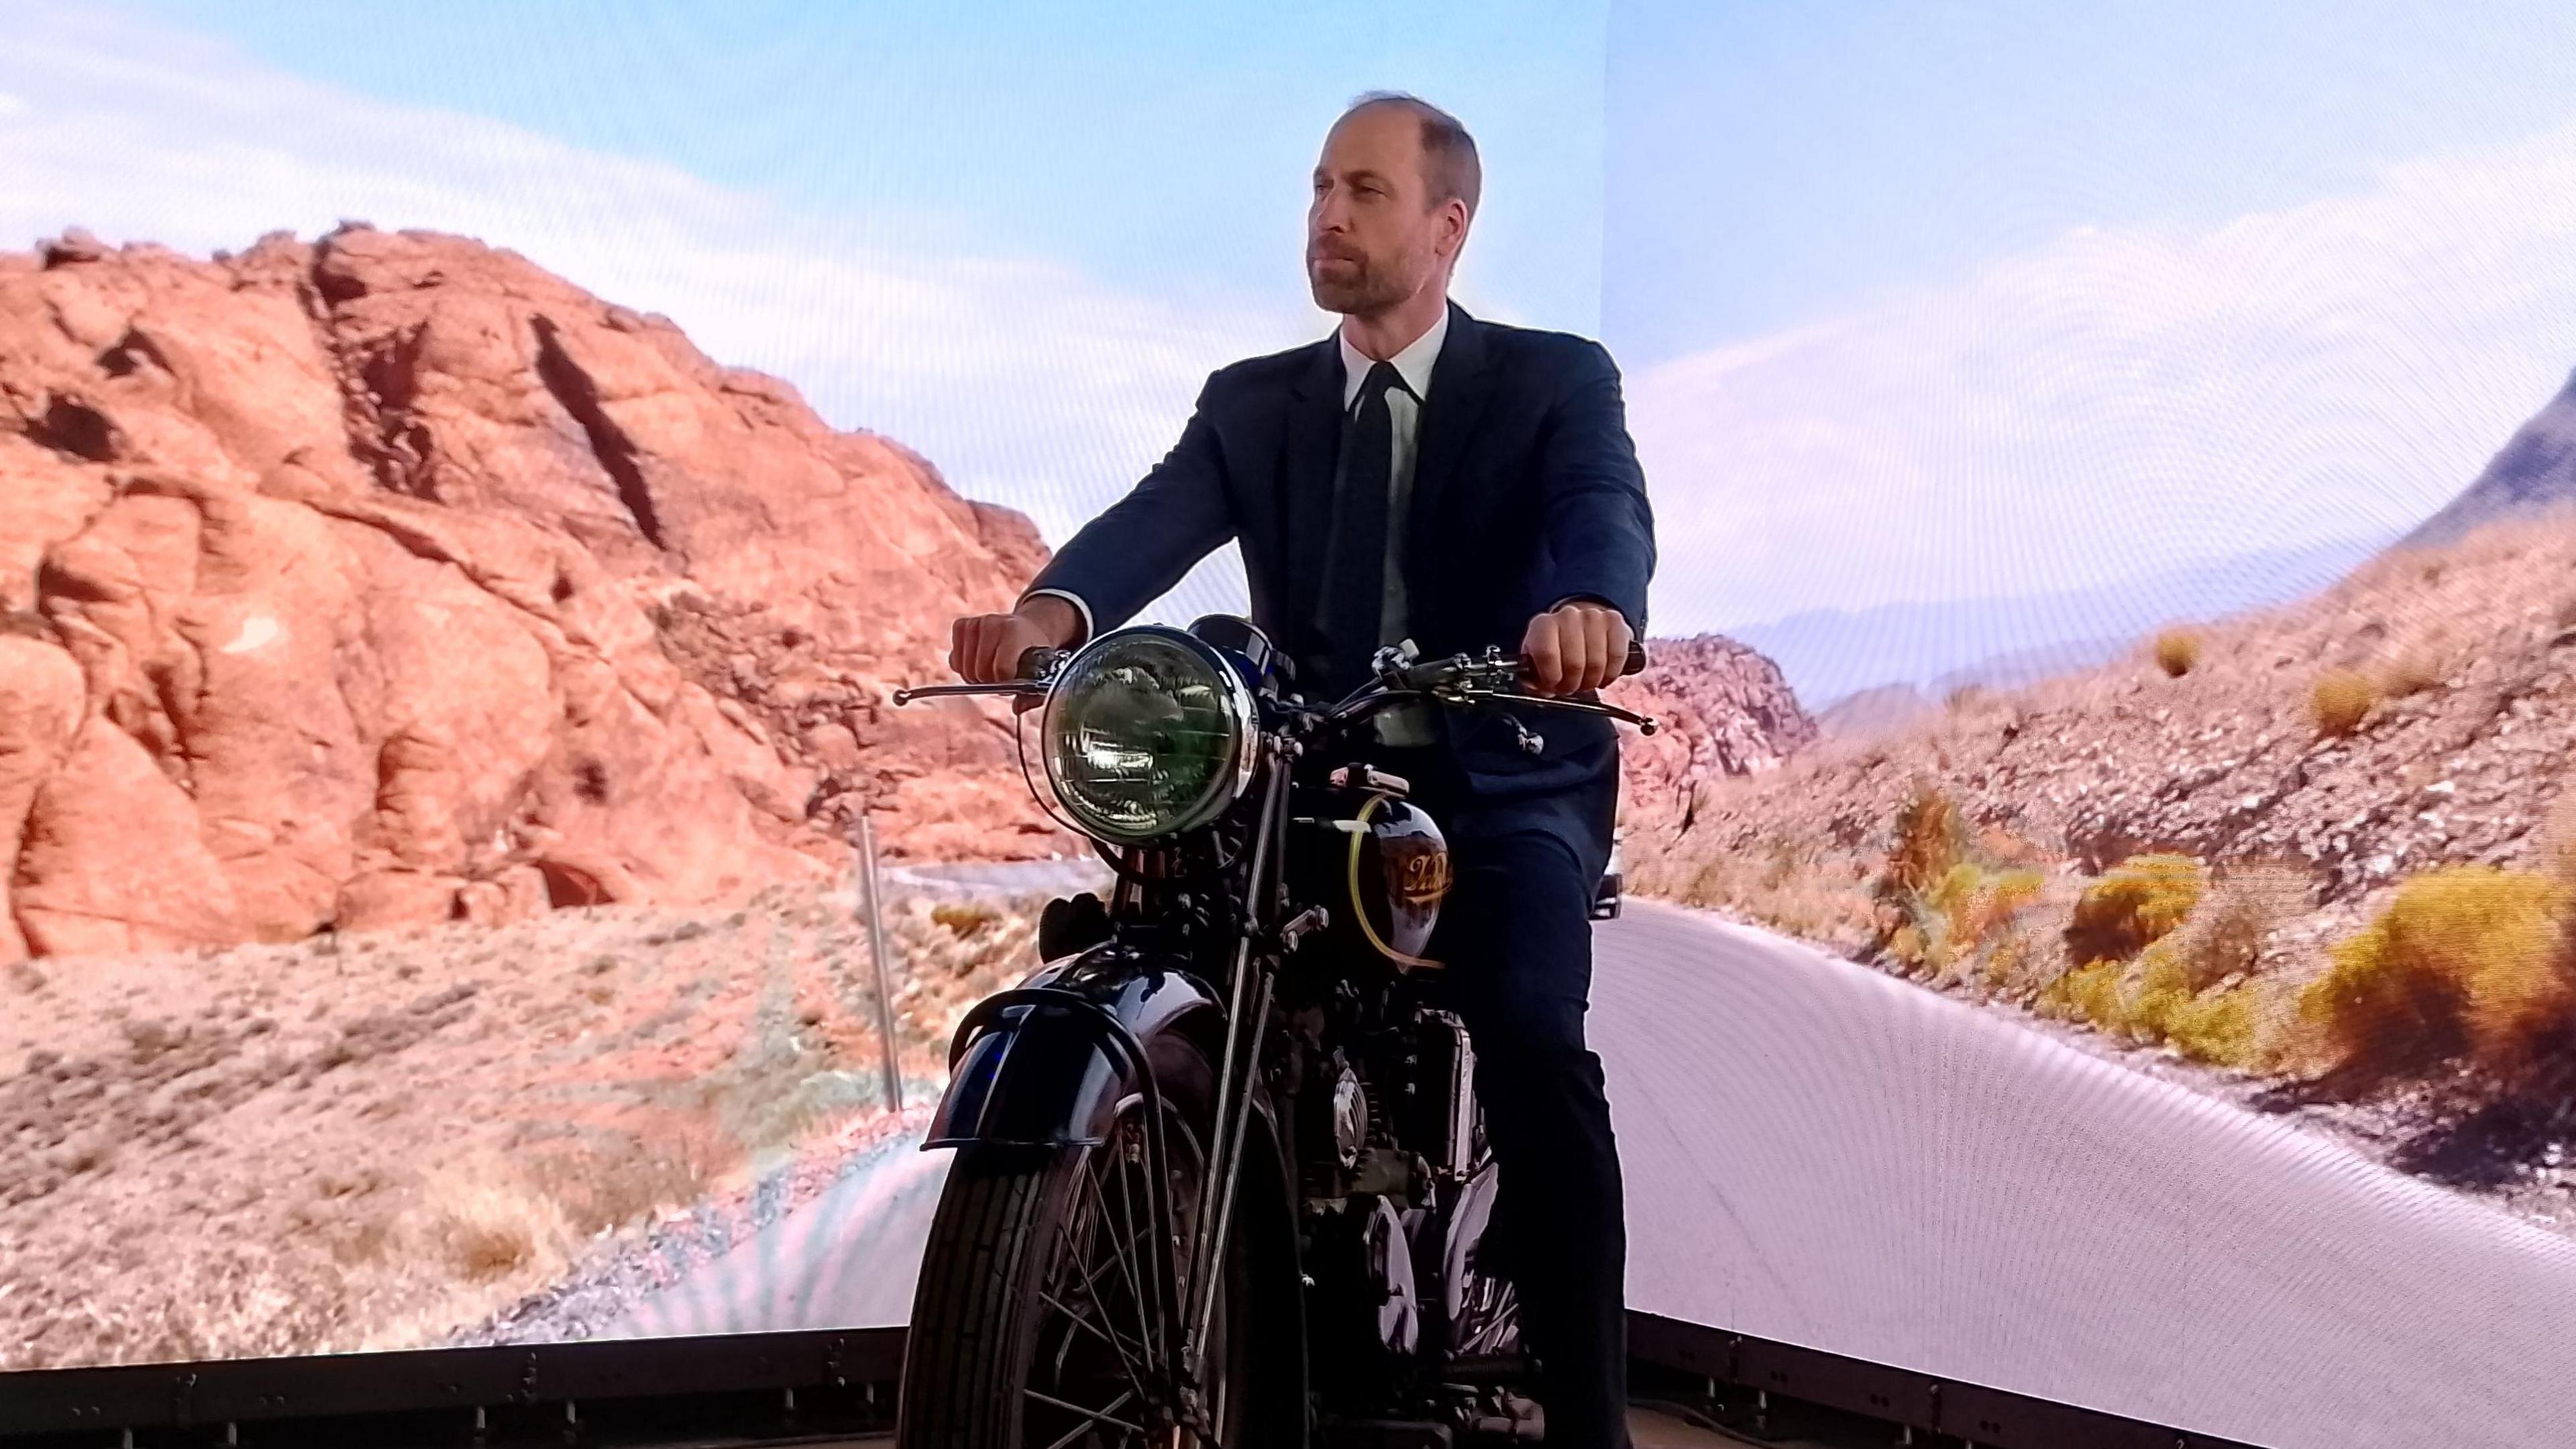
(1037, 666)
(1010, 687)
(1645, 723)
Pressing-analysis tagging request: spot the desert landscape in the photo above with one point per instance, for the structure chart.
(435, 703)
(2318, 858)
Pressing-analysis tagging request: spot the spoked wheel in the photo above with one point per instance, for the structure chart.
(1035, 1323)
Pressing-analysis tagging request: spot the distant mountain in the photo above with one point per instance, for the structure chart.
(1830, 653)
(2535, 469)
(1886, 706)
(1873, 711)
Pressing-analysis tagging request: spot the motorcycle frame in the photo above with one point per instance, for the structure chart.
(1259, 940)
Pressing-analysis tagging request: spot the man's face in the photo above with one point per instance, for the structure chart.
(1373, 236)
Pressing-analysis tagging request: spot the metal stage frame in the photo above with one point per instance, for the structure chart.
(827, 1387)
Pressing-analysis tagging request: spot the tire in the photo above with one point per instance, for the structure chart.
(1001, 1279)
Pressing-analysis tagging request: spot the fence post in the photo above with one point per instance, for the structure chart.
(877, 948)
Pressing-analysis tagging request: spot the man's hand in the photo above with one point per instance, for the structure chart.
(986, 648)
(1578, 645)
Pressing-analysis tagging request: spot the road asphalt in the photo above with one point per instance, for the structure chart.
(1824, 1155)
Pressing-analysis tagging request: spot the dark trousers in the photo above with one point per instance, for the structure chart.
(1515, 934)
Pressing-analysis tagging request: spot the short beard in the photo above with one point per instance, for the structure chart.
(1371, 290)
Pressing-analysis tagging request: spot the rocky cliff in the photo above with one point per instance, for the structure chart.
(390, 578)
(1723, 710)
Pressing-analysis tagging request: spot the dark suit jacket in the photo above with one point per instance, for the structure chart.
(1526, 492)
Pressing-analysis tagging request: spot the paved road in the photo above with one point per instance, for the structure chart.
(1821, 1154)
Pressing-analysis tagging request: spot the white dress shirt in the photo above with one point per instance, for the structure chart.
(1408, 724)
(1404, 411)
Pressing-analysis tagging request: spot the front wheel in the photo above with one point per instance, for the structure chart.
(1034, 1312)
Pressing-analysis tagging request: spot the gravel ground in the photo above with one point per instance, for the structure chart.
(619, 1272)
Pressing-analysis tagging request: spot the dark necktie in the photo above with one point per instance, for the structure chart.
(1355, 579)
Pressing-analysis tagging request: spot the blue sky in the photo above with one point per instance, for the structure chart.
(1017, 237)
(1915, 303)
(1934, 303)
(1155, 144)
(1771, 162)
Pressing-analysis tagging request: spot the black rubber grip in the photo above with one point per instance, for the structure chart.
(1636, 657)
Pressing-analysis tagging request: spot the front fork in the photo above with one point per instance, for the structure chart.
(1248, 996)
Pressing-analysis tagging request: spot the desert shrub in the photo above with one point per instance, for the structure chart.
(2224, 934)
(1937, 899)
(2177, 651)
(2151, 1000)
(2089, 993)
(2340, 700)
(1972, 900)
(2134, 904)
(2465, 958)
(1930, 839)
(2412, 672)
(2220, 1027)
(964, 918)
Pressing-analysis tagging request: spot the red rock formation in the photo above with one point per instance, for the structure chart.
(391, 578)
(1722, 709)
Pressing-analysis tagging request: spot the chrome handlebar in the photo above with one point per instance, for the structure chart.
(1464, 679)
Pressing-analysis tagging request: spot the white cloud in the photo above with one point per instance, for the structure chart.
(1028, 382)
(2122, 400)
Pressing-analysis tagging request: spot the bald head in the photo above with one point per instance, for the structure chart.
(1394, 192)
(1450, 170)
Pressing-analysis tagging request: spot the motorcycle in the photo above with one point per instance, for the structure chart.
(1220, 1176)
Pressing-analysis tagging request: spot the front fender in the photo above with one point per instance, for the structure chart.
(1041, 1075)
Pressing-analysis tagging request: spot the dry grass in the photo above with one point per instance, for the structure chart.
(1929, 839)
(2164, 955)
(964, 918)
(2134, 904)
(2340, 700)
(2177, 651)
(2415, 670)
(2466, 959)
(1938, 898)
(369, 1143)
(1817, 900)
(2224, 934)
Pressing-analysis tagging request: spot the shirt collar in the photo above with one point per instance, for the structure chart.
(1413, 364)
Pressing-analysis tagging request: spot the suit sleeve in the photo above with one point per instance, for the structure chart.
(1599, 528)
(1145, 542)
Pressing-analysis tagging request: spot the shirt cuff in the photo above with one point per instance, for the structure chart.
(1079, 606)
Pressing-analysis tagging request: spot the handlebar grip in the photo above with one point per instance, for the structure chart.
(1636, 658)
(1033, 661)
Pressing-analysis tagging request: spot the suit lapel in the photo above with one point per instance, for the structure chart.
(1312, 446)
(1461, 386)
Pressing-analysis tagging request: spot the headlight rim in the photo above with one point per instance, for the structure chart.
(1240, 709)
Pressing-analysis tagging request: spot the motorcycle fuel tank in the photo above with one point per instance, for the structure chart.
(1380, 865)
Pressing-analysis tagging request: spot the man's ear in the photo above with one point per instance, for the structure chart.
(1455, 212)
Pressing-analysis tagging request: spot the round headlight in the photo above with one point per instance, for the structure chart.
(1148, 733)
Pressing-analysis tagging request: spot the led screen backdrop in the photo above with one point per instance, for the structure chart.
(470, 480)
(2136, 440)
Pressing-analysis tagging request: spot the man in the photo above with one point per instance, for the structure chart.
(1427, 475)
